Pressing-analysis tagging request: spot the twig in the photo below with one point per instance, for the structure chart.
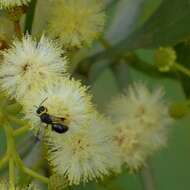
(147, 178)
(4, 160)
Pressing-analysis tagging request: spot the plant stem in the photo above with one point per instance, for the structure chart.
(147, 179)
(21, 130)
(29, 171)
(11, 174)
(105, 43)
(13, 156)
(10, 151)
(34, 174)
(4, 160)
(183, 69)
(30, 17)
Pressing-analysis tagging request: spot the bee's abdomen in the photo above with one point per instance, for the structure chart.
(59, 128)
(45, 118)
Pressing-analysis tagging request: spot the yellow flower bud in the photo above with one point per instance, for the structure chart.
(165, 58)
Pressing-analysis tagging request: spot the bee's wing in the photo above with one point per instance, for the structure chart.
(58, 119)
(41, 132)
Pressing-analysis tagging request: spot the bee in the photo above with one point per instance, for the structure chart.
(57, 123)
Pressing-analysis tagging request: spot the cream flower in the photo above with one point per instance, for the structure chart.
(141, 122)
(29, 65)
(88, 153)
(64, 98)
(12, 3)
(76, 22)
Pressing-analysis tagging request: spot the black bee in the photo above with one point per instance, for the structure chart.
(55, 122)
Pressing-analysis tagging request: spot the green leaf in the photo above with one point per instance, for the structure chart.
(41, 17)
(104, 84)
(123, 19)
(149, 7)
(183, 58)
(30, 16)
(168, 26)
(171, 166)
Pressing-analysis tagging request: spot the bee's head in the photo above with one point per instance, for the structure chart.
(41, 110)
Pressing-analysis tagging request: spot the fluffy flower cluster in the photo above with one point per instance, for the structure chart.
(76, 22)
(29, 65)
(81, 154)
(12, 3)
(34, 73)
(141, 122)
(65, 98)
(88, 153)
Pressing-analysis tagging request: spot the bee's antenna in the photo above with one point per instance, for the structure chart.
(43, 101)
(35, 106)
